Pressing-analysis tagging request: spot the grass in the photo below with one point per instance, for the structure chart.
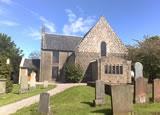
(78, 101)
(15, 96)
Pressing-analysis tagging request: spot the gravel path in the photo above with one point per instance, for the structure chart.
(13, 107)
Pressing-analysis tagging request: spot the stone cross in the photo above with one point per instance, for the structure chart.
(2, 86)
(45, 84)
(33, 80)
(121, 99)
(23, 81)
(138, 70)
(99, 93)
(44, 103)
(141, 91)
(156, 90)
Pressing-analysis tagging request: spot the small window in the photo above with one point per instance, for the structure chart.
(121, 69)
(106, 69)
(110, 69)
(55, 56)
(103, 48)
(114, 69)
(117, 69)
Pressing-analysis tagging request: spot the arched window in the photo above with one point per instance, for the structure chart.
(103, 48)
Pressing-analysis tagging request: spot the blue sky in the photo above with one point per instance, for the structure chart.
(23, 19)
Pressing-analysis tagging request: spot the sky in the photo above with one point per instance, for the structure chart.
(23, 19)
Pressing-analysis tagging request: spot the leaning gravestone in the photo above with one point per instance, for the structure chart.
(156, 90)
(121, 99)
(2, 86)
(33, 81)
(45, 84)
(138, 70)
(99, 93)
(23, 81)
(44, 103)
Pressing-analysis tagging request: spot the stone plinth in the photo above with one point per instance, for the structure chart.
(2, 86)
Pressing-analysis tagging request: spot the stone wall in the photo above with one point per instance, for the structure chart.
(113, 77)
(47, 64)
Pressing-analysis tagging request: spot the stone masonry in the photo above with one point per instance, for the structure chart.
(156, 90)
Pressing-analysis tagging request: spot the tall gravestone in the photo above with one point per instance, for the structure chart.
(121, 99)
(140, 87)
(44, 103)
(99, 93)
(2, 86)
(156, 90)
(23, 81)
(33, 81)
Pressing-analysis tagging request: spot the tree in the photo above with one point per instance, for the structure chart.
(74, 73)
(9, 50)
(148, 53)
(35, 55)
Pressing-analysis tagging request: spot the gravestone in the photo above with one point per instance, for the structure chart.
(33, 80)
(44, 103)
(156, 90)
(141, 90)
(45, 84)
(138, 70)
(2, 86)
(23, 81)
(99, 93)
(121, 99)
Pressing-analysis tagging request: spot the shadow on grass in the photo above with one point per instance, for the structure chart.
(105, 111)
(88, 103)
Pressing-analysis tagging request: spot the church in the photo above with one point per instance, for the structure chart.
(100, 52)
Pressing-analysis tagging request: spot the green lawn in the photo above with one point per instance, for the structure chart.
(78, 101)
(15, 96)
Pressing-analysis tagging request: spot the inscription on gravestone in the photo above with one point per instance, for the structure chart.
(141, 91)
(44, 103)
(138, 70)
(99, 93)
(156, 90)
(121, 99)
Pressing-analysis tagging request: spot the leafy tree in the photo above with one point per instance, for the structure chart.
(9, 50)
(148, 53)
(74, 73)
(35, 55)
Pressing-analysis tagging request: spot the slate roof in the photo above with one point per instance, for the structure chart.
(32, 63)
(60, 42)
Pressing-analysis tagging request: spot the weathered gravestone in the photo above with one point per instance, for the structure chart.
(99, 93)
(156, 90)
(121, 99)
(33, 80)
(141, 91)
(23, 81)
(2, 86)
(138, 70)
(44, 107)
(45, 84)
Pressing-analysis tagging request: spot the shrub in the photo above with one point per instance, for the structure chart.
(74, 73)
(5, 73)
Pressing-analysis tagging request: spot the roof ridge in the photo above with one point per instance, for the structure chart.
(63, 35)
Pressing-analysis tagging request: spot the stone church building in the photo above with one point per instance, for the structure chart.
(100, 52)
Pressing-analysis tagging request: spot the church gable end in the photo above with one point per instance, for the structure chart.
(102, 33)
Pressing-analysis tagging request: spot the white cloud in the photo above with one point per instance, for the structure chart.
(9, 2)
(8, 23)
(77, 24)
(35, 34)
(48, 24)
